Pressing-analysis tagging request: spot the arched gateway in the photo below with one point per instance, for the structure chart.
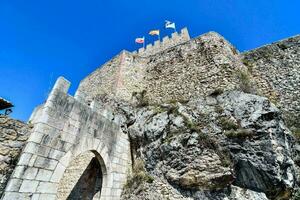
(73, 152)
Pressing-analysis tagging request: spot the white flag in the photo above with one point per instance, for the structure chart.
(170, 24)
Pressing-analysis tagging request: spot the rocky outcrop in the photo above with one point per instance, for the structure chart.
(227, 146)
(13, 135)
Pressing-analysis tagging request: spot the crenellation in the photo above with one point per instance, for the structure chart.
(158, 46)
(141, 50)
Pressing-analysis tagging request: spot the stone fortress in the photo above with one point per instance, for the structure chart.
(73, 138)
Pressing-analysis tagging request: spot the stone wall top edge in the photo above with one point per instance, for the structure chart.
(165, 41)
(105, 63)
(186, 42)
(92, 108)
(271, 44)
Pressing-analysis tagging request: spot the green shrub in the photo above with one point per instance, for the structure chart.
(245, 81)
(219, 109)
(139, 176)
(225, 159)
(228, 124)
(141, 98)
(240, 133)
(248, 64)
(296, 133)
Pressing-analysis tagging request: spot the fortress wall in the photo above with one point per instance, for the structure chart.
(276, 69)
(13, 135)
(101, 81)
(197, 67)
(119, 77)
(175, 39)
(131, 76)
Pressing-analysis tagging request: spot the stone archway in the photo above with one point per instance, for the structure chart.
(83, 178)
(65, 128)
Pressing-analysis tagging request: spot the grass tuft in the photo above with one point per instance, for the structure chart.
(139, 176)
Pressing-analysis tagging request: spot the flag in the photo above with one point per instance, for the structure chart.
(154, 32)
(170, 24)
(140, 40)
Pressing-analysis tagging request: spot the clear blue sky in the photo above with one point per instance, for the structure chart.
(43, 39)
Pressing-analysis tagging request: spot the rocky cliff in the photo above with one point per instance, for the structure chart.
(224, 146)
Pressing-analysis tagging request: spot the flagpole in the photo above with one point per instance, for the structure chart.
(144, 43)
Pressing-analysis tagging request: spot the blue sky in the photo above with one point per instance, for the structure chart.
(41, 40)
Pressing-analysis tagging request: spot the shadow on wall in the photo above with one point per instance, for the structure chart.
(89, 184)
(82, 179)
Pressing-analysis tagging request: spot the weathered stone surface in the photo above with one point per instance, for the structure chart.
(64, 128)
(276, 69)
(209, 144)
(13, 134)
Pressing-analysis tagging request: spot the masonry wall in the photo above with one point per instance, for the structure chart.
(13, 135)
(65, 127)
(197, 67)
(194, 67)
(276, 69)
(101, 81)
(119, 77)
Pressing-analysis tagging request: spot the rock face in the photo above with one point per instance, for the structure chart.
(13, 135)
(229, 146)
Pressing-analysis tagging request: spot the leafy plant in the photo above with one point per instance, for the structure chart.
(228, 124)
(245, 83)
(240, 133)
(139, 175)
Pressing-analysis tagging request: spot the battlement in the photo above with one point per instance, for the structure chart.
(167, 42)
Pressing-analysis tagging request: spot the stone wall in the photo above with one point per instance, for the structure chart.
(198, 67)
(13, 135)
(118, 77)
(101, 81)
(276, 69)
(65, 127)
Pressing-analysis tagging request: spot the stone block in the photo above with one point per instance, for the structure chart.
(45, 187)
(58, 173)
(30, 173)
(35, 197)
(15, 196)
(24, 159)
(70, 138)
(32, 160)
(13, 185)
(61, 84)
(29, 186)
(56, 154)
(47, 197)
(31, 147)
(35, 137)
(66, 159)
(45, 163)
(18, 172)
(44, 175)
